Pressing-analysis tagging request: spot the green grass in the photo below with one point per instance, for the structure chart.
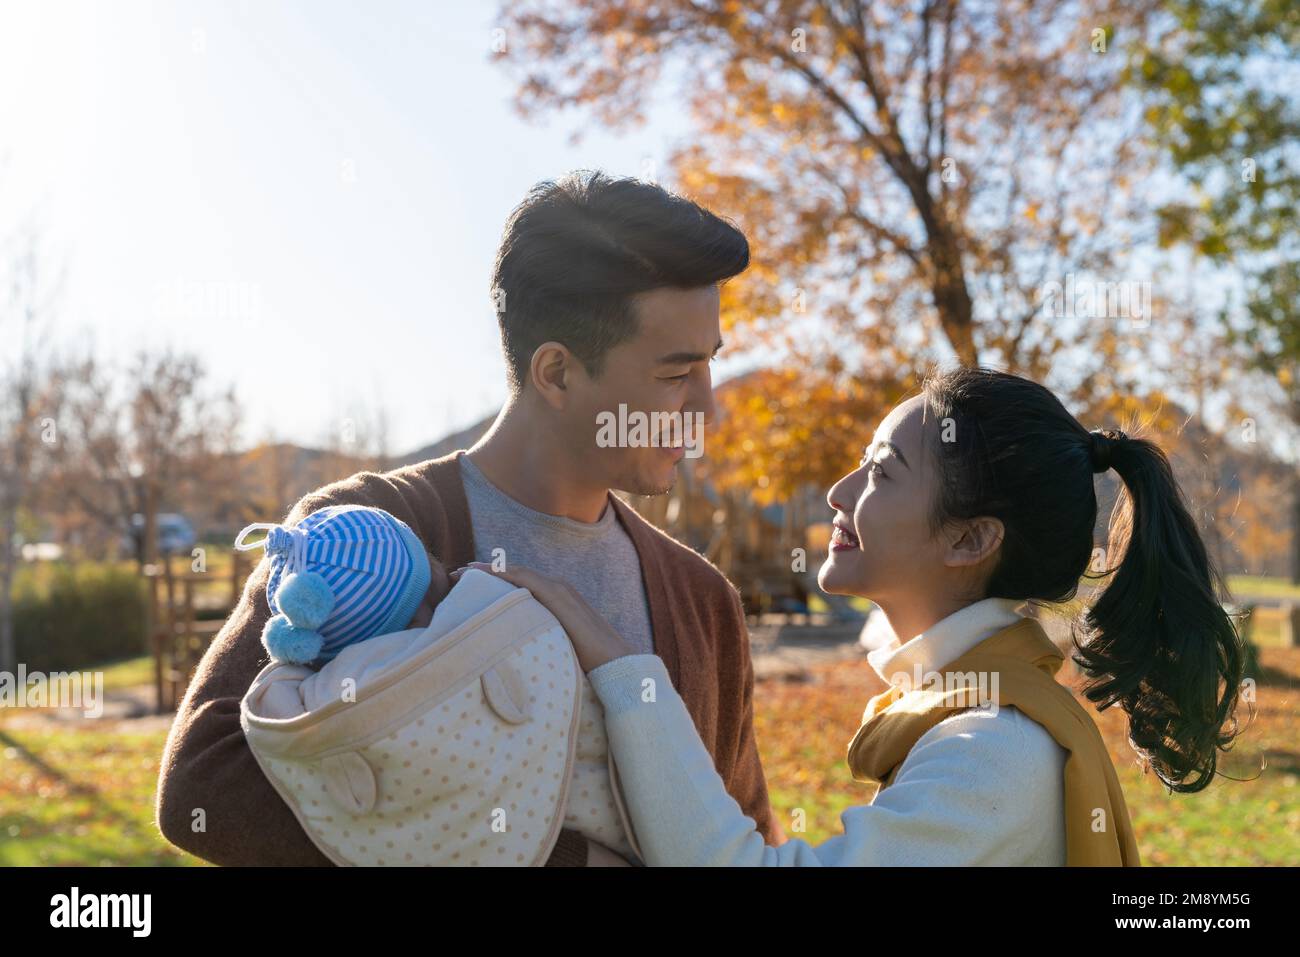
(83, 794)
(1231, 823)
(1265, 629)
(77, 796)
(817, 606)
(1263, 587)
(803, 728)
(1248, 816)
(128, 673)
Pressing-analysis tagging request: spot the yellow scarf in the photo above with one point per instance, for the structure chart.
(1023, 662)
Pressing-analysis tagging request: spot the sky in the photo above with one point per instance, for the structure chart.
(307, 195)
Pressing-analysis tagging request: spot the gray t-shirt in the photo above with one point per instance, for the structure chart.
(597, 558)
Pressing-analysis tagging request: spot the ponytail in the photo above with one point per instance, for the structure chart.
(1157, 641)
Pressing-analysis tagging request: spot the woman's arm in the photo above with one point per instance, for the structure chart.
(972, 791)
(978, 788)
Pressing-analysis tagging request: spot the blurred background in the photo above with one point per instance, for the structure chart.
(233, 238)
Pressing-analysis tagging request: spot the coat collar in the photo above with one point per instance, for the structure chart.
(946, 640)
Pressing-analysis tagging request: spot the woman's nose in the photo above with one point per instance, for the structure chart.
(833, 497)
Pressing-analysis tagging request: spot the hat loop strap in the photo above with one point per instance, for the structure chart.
(280, 540)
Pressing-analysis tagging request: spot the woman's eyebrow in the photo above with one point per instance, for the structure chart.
(897, 452)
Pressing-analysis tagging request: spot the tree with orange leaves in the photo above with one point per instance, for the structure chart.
(910, 173)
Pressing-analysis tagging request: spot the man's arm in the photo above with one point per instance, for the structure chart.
(213, 799)
(570, 850)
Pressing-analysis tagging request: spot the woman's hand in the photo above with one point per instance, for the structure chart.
(594, 640)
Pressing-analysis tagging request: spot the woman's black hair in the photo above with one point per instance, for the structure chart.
(1157, 641)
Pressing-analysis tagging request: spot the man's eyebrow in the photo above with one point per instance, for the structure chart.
(685, 358)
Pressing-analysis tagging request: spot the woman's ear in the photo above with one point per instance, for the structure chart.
(973, 541)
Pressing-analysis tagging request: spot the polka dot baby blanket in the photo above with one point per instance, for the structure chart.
(470, 742)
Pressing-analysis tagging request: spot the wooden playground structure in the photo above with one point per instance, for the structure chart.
(177, 636)
(771, 554)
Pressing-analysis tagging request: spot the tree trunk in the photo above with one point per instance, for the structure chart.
(150, 529)
(8, 651)
(951, 297)
(1295, 530)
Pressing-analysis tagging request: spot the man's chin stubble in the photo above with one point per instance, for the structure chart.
(653, 490)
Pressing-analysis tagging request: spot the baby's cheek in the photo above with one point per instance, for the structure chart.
(439, 584)
(423, 615)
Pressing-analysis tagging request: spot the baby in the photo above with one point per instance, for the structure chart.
(453, 723)
(344, 574)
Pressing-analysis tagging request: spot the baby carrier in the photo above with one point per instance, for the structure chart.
(456, 744)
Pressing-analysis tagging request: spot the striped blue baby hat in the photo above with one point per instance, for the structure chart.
(343, 574)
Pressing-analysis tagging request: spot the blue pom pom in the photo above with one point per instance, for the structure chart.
(305, 599)
(286, 642)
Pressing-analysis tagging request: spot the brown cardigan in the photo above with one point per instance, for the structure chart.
(214, 801)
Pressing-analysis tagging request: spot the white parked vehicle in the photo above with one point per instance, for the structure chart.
(175, 534)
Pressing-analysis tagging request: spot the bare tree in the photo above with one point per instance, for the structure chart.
(151, 436)
(356, 441)
(28, 407)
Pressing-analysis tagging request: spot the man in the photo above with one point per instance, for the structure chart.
(607, 297)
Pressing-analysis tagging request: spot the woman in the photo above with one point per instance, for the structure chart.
(975, 497)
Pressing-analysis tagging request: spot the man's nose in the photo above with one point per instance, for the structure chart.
(703, 402)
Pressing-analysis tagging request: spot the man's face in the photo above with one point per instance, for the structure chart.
(662, 379)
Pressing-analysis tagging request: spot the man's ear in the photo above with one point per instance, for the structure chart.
(551, 369)
(973, 541)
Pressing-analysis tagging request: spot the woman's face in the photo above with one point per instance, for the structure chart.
(882, 547)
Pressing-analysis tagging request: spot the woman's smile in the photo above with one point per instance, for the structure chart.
(843, 538)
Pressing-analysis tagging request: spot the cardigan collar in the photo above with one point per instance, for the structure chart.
(944, 641)
(647, 540)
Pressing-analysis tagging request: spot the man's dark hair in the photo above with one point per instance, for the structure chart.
(576, 251)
